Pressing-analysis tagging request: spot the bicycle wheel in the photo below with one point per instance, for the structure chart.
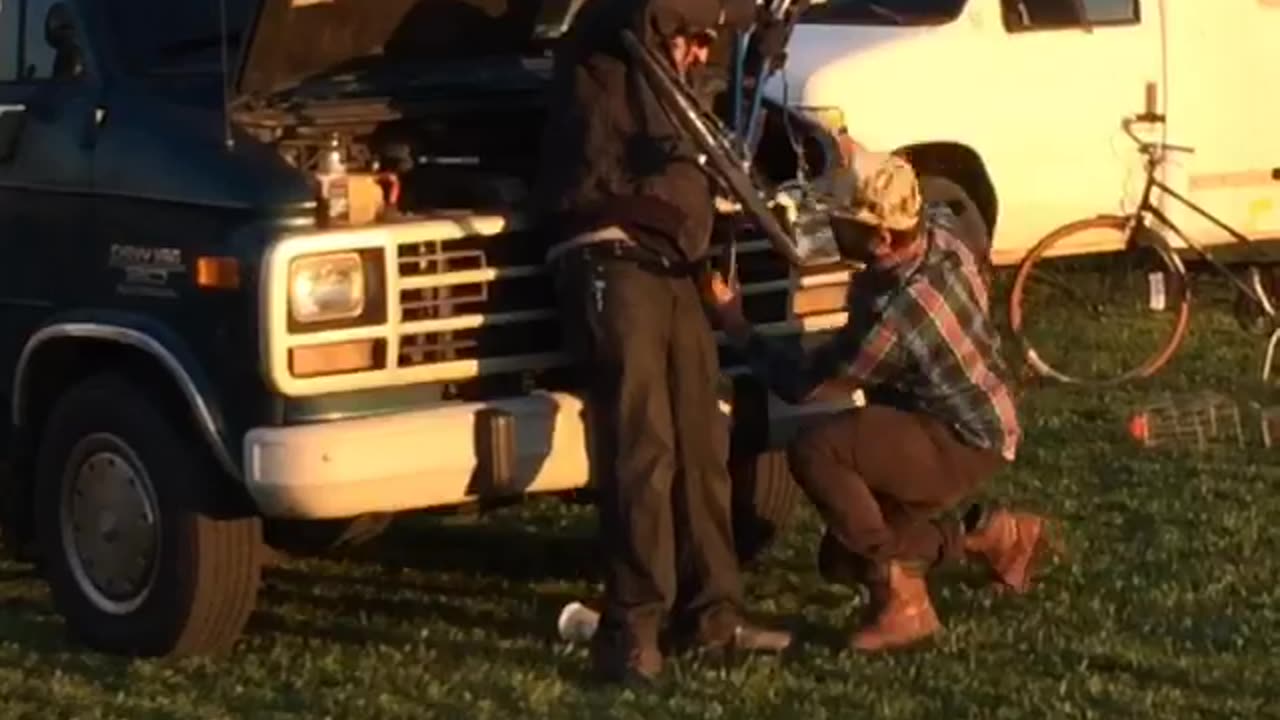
(1095, 303)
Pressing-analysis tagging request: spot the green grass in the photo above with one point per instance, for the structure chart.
(1168, 608)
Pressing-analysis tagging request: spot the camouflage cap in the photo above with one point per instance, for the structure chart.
(879, 189)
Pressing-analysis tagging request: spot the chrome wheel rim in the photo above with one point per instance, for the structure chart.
(110, 524)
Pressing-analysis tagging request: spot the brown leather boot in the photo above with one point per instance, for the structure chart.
(625, 656)
(1012, 545)
(900, 612)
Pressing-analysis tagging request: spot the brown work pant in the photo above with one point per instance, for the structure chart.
(884, 482)
(659, 445)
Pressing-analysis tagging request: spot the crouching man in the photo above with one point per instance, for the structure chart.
(940, 418)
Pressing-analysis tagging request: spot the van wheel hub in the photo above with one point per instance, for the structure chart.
(109, 524)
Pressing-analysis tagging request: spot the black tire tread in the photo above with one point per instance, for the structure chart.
(231, 565)
(765, 498)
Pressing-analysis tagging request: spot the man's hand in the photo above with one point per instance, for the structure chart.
(786, 210)
(725, 206)
(726, 301)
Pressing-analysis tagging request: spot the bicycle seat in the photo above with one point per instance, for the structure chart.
(1162, 148)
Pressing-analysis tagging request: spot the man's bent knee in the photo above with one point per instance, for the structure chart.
(813, 449)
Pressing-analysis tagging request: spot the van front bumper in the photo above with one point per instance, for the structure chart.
(441, 455)
(445, 454)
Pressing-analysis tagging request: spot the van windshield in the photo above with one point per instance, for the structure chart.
(883, 12)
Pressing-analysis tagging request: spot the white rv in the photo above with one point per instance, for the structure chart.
(1014, 107)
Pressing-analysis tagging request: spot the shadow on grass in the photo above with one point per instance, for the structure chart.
(531, 614)
(28, 620)
(511, 552)
(470, 578)
(456, 622)
(490, 577)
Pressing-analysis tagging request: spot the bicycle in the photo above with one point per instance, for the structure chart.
(1160, 309)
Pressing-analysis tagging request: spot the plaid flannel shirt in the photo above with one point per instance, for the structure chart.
(919, 339)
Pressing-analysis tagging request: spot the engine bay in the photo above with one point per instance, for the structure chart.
(369, 163)
(383, 168)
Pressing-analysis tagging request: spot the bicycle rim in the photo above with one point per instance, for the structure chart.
(1089, 307)
(1254, 314)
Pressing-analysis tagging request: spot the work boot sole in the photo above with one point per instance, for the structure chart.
(920, 641)
(1042, 544)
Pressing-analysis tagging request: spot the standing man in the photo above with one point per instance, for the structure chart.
(940, 418)
(632, 211)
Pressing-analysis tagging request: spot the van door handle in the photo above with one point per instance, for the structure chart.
(94, 128)
(11, 119)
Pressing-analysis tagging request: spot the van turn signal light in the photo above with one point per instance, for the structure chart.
(219, 273)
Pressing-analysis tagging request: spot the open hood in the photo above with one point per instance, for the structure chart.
(292, 40)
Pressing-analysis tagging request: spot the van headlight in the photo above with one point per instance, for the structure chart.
(326, 287)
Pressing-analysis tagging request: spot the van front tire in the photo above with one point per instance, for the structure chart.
(146, 550)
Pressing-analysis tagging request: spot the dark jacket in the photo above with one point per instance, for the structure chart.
(610, 155)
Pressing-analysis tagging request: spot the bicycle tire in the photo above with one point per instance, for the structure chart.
(1152, 362)
(1254, 317)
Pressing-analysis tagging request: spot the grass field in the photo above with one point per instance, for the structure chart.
(1169, 607)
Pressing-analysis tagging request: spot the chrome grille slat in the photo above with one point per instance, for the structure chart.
(456, 302)
(467, 277)
(473, 321)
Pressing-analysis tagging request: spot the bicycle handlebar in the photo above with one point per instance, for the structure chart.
(1148, 148)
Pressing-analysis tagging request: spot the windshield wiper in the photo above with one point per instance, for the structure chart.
(885, 12)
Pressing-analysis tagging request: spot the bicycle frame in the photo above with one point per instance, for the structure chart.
(1148, 208)
(1134, 228)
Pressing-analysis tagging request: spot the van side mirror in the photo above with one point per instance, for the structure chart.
(60, 34)
(59, 27)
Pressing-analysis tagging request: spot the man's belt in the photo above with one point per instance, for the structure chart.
(615, 243)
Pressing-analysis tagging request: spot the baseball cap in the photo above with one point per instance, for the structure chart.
(878, 189)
